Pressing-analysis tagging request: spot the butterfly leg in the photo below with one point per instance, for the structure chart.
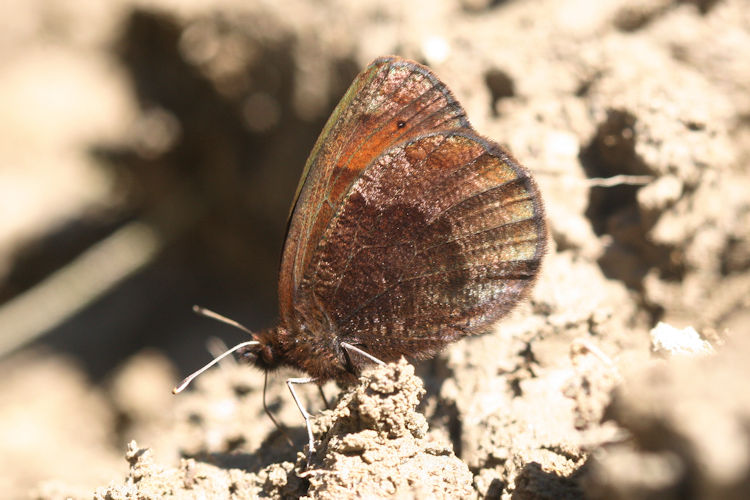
(349, 347)
(270, 415)
(323, 395)
(290, 383)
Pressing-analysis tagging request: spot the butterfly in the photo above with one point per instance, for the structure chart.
(408, 231)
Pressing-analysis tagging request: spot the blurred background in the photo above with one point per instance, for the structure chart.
(150, 149)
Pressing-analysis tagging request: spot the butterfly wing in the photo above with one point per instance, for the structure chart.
(393, 100)
(436, 239)
(408, 229)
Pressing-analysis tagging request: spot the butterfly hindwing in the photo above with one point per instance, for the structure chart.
(436, 239)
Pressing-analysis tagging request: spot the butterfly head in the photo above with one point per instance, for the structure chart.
(265, 353)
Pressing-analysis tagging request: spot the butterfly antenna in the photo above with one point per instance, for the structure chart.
(190, 377)
(218, 317)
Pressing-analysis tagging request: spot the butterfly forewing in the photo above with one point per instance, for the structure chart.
(391, 101)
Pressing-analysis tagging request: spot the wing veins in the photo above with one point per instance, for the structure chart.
(402, 280)
(480, 193)
(476, 233)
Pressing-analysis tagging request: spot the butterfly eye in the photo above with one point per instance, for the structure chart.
(401, 124)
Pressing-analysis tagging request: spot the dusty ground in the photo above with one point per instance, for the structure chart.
(148, 154)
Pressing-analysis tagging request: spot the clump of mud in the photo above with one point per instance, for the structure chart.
(688, 430)
(373, 443)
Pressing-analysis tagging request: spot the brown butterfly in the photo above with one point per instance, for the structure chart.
(408, 231)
